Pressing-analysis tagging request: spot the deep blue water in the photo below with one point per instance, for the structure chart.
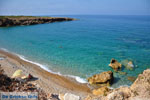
(84, 47)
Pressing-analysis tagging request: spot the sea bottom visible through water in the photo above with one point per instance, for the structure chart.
(84, 47)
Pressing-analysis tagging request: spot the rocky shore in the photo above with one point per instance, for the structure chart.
(55, 87)
(6, 21)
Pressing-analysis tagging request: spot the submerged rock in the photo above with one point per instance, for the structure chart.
(131, 78)
(128, 64)
(104, 78)
(115, 64)
(122, 73)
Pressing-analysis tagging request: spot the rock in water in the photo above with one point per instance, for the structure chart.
(122, 73)
(115, 64)
(128, 64)
(104, 78)
(101, 91)
(69, 96)
(131, 78)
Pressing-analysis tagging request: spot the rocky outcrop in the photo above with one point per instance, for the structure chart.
(6, 21)
(141, 86)
(139, 90)
(122, 93)
(115, 64)
(104, 78)
(101, 91)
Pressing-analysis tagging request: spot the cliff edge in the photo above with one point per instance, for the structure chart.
(6, 21)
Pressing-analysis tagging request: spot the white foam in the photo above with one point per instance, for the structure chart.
(4, 49)
(38, 64)
(77, 78)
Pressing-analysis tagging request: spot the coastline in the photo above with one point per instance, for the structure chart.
(48, 81)
(53, 84)
(6, 21)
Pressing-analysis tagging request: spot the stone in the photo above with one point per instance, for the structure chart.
(88, 97)
(128, 64)
(17, 73)
(131, 78)
(69, 96)
(61, 96)
(122, 73)
(104, 78)
(114, 64)
(100, 91)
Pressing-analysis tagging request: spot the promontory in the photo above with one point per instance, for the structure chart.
(6, 21)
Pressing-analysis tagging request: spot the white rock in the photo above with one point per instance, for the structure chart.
(69, 96)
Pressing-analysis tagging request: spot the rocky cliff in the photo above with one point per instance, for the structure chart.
(6, 21)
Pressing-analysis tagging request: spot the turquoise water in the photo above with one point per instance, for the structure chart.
(84, 47)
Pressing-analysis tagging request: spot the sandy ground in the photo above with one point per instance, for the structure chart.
(49, 82)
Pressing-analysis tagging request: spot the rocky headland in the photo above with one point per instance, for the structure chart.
(6, 21)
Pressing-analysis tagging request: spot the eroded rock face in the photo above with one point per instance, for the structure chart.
(141, 86)
(115, 64)
(122, 93)
(104, 78)
(139, 90)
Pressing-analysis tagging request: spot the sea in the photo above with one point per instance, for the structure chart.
(83, 47)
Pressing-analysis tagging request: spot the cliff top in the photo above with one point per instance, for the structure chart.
(31, 17)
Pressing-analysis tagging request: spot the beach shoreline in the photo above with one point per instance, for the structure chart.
(49, 82)
(53, 84)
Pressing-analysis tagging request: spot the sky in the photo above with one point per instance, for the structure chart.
(74, 7)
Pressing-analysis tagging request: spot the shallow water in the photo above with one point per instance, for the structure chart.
(84, 47)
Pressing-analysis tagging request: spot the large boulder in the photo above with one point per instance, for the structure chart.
(115, 64)
(104, 78)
